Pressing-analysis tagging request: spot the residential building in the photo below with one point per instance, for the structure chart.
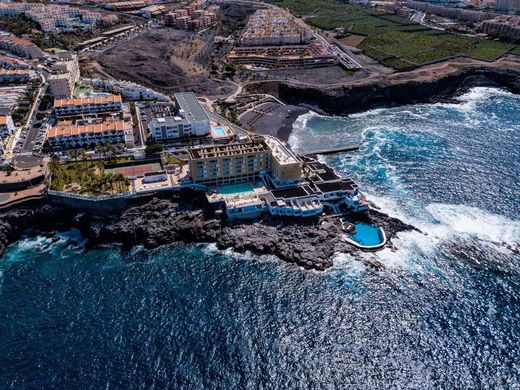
(235, 162)
(7, 62)
(6, 126)
(507, 5)
(127, 89)
(52, 18)
(311, 55)
(21, 47)
(87, 136)
(91, 105)
(66, 75)
(504, 24)
(10, 98)
(191, 121)
(125, 5)
(6, 129)
(15, 75)
(286, 166)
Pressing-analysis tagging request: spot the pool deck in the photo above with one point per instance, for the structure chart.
(215, 196)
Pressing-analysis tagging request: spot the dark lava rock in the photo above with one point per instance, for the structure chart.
(310, 244)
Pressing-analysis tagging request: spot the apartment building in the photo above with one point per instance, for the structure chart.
(66, 75)
(21, 47)
(311, 55)
(192, 120)
(10, 98)
(507, 25)
(125, 5)
(231, 163)
(272, 27)
(92, 105)
(52, 18)
(286, 166)
(7, 62)
(87, 136)
(192, 16)
(127, 89)
(6, 129)
(15, 75)
(6, 126)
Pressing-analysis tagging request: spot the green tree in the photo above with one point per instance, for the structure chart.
(73, 153)
(152, 150)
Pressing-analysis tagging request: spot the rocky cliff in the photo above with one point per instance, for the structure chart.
(183, 218)
(391, 90)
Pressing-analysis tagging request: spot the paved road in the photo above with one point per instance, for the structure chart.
(32, 133)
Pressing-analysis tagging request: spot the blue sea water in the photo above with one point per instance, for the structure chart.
(444, 313)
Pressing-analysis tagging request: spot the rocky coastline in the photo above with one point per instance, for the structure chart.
(183, 217)
(396, 89)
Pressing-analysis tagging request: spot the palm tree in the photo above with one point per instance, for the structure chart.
(83, 154)
(73, 153)
(100, 149)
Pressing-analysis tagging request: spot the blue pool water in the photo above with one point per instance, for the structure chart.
(236, 189)
(219, 132)
(443, 313)
(367, 234)
(98, 94)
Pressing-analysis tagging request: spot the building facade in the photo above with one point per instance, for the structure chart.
(286, 166)
(87, 136)
(191, 121)
(231, 163)
(93, 105)
(66, 75)
(21, 47)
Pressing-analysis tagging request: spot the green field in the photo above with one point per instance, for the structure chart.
(393, 40)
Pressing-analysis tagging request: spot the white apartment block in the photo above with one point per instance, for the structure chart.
(21, 47)
(67, 75)
(15, 75)
(127, 89)
(191, 121)
(6, 129)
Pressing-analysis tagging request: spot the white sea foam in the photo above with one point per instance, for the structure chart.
(299, 126)
(475, 222)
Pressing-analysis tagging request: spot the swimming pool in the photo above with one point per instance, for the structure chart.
(367, 235)
(219, 131)
(236, 189)
(98, 94)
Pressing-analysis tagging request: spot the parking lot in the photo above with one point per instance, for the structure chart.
(147, 111)
(32, 138)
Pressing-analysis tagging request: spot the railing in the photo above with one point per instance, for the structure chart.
(72, 195)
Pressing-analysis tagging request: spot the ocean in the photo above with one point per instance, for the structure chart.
(443, 313)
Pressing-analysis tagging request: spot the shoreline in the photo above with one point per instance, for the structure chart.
(392, 91)
(182, 217)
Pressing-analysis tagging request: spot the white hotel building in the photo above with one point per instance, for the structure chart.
(192, 121)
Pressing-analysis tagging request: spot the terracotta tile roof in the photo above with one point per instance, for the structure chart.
(3, 120)
(68, 131)
(20, 41)
(84, 101)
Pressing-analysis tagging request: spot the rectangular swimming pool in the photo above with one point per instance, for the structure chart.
(219, 132)
(236, 189)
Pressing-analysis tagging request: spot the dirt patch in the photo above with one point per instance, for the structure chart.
(164, 59)
(352, 40)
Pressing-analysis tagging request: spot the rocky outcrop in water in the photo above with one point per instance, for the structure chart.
(183, 218)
